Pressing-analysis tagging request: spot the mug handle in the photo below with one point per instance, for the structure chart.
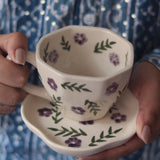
(33, 89)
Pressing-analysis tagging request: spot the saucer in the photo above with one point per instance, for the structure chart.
(75, 138)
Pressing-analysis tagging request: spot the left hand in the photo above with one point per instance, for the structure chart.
(13, 74)
(145, 85)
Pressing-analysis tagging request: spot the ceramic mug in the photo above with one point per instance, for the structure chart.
(83, 69)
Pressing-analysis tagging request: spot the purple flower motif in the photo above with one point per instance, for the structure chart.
(114, 59)
(45, 112)
(87, 122)
(80, 38)
(53, 56)
(73, 142)
(117, 117)
(78, 110)
(52, 84)
(112, 88)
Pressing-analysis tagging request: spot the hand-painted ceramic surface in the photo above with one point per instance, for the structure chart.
(81, 137)
(85, 68)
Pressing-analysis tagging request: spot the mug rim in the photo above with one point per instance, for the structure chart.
(71, 76)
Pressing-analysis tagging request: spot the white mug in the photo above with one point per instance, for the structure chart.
(83, 70)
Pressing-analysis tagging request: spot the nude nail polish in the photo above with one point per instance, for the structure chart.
(20, 56)
(146, 134)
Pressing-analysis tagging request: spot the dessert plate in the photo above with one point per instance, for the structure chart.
(81, 138)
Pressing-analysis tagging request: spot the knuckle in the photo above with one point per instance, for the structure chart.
(19, 35)
(21, 81)
(15, 39)
(6, 110)
(22, 77)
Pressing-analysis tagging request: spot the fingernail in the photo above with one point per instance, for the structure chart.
(20, 56)
(146, 134)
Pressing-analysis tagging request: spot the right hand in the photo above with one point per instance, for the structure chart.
(13, 74)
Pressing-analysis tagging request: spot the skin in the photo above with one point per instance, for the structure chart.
(144, 84)
(15, 75)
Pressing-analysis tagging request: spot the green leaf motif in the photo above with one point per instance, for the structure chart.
(68, 132)
(65, 44)
(110, 130)
(103, 45)
(112, 42)
(118, 130)
(114, 107)
(75, 87)
(103, 137)
(126, 59)
(56, 101)
(55, 108)
(120, 92)
(102, 134)
(56, 115)
(53, 129)
(92, 106)
(46, 53)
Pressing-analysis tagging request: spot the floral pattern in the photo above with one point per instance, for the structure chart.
(78, 110)
(52, 84)
(68, 131)
(45, 56)
(114, 59)
(53, 56)
(65, 44)
(73, 142)
(45, 112)
(103, 46)
(102, 137)
(80, 38)
(75, 134)
(118, 117)
(112, 88)
(92, 106)
(75, 87)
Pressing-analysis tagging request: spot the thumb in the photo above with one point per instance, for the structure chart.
(15, 45)
(148, 119)
(146, 87)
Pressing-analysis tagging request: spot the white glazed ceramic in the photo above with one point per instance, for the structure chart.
(81, 138)
(83, 69)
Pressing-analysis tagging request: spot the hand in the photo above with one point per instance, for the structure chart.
(145, 85)
(13, 73)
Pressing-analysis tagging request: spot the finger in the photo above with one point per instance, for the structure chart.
(11, 96)
(12, 74)
(145, 86)
(6, 109)
(134, 144)
(15, 45)
(148, 118)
